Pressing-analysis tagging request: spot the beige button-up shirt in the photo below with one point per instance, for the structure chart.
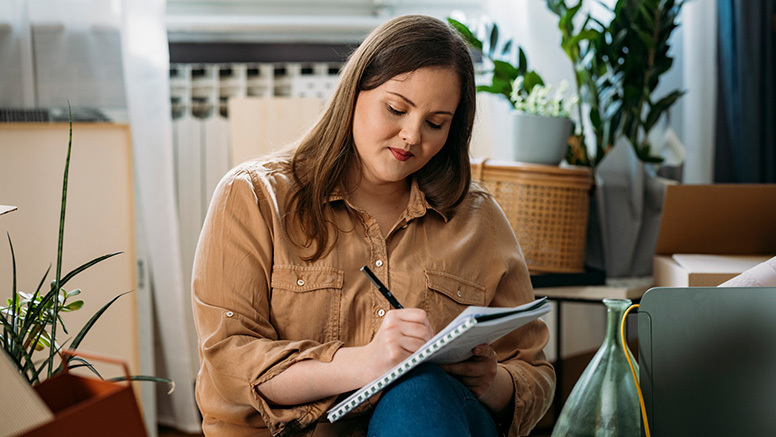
(259, 308)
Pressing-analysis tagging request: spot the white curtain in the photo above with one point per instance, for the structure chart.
(146, 77)
(698, 106)
(17, 80)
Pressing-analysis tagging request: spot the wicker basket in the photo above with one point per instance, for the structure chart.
(547, 207)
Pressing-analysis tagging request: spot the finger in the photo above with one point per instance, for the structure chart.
(484, 356)
(484, 350)
(403, 336)
(416, 330)
(465, 368)
(410, 315)
(416, 318)
(411, 345)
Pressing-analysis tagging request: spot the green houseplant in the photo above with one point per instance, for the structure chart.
(617, 67)
(32, 323)
(485, 39)
(540, 123)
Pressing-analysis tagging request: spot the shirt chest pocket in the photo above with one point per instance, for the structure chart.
(447, 295)
(305, 302)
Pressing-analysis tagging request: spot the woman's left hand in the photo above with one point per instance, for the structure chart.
(478, 372)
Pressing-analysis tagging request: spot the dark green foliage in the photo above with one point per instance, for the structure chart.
(618, 67)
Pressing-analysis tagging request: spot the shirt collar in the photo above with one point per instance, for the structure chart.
(417, 206)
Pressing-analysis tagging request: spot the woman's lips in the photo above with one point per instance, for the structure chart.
(401, 155)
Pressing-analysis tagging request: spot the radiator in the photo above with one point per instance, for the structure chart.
(203, 150)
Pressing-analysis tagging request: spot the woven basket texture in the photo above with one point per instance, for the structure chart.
(547, 207)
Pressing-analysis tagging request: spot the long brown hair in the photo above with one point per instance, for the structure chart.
(324, 155)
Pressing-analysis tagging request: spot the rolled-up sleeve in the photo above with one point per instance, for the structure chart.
(238, 346)
(521, 352)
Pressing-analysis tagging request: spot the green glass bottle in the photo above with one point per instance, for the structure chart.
(604, 402)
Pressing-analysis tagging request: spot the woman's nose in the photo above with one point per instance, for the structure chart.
(410, 133)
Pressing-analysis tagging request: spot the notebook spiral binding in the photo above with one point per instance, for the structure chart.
(408, 364)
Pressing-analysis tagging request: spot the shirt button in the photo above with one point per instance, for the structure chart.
(378, 263)
(229, 314)
(381, 312)
(300, 282)
(459, 293)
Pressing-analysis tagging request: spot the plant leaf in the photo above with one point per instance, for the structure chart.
(6, 337)
(585, 35)
(659, 107)
(507, 47)
(612, 109)
(73, 306)
(35, 306)
(84, 363)
(493, 41)
(82, 333)
(21, 358)
(49, 361)
(522, 62)
(147, 378)
(532, 79)
(466, 33)
(61, 238)
(504, 70)
(59, 318)
(85, 266)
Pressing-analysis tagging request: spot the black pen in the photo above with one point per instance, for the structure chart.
(383, 289)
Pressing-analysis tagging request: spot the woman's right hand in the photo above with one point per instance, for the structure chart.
(402, 333)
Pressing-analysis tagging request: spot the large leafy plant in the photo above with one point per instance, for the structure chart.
(617, 68)
(32, 322)
(512, 80)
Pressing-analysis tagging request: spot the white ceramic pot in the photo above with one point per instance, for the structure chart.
(539, 140)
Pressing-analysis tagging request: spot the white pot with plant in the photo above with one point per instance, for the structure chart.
(540, 124)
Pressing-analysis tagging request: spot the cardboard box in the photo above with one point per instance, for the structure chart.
(87, 406)
(712, 233)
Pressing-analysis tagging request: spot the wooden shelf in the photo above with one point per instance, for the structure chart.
(631, 289)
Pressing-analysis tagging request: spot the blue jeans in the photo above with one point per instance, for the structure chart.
(429, 402)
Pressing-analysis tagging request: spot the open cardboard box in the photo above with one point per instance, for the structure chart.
(88, 406)
(711, 233)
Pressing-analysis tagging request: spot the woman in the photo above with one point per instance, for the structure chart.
(287, 323)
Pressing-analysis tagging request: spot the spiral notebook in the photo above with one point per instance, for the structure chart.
(473, 327)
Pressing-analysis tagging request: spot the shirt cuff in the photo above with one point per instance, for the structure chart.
(287, 419)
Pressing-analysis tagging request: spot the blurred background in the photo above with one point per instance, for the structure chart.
(195, 87)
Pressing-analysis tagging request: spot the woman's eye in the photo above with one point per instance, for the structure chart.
(434, 125)
(392, 110)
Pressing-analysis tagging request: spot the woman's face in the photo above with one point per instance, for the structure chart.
(400, 125)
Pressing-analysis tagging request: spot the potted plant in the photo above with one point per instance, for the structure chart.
(540, 124)
(32, 323)
(484, 38)
(617, 67)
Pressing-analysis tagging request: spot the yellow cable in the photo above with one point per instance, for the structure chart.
(633, 370)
